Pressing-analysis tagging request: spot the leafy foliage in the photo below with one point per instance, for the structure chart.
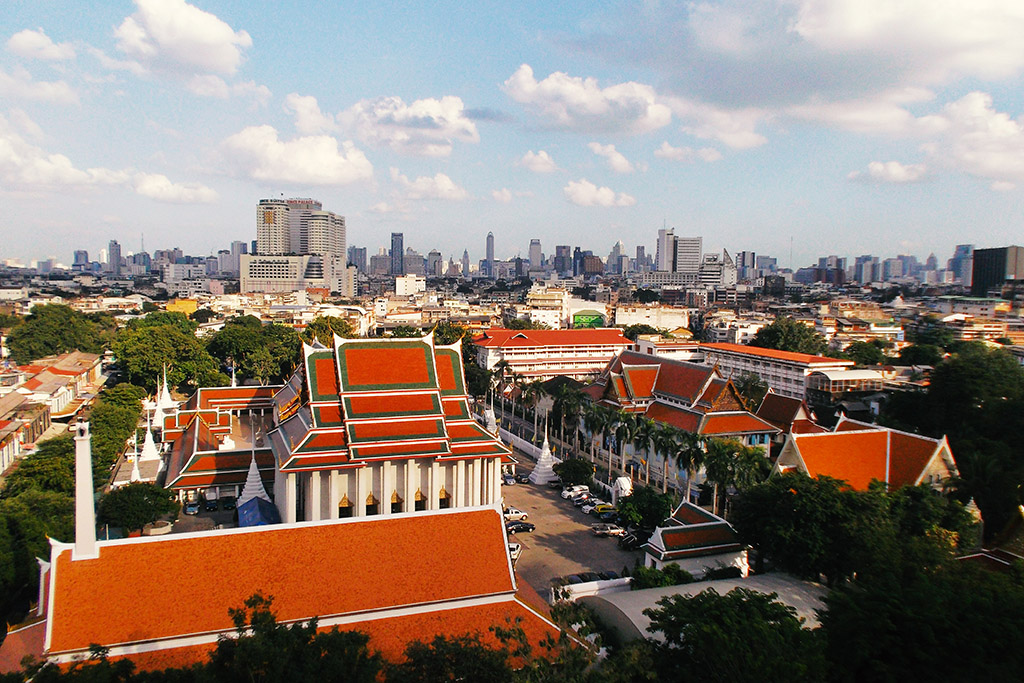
(323, 329)
(50, 468)
(53, 328)
(144, 351)
(407, 332)
(649, 577)
(645, 507)
(866, 353)
(135, 505)
(631, 332)
(786, 334)
(752, 388)
(455, 658)
(262, 352)
(574, 471)
(921, 354)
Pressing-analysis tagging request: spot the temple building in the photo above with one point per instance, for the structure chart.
(363, 428)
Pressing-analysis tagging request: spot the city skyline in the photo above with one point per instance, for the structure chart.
(752, 127)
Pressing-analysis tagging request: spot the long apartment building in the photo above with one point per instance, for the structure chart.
(544, 354)
(785, 372)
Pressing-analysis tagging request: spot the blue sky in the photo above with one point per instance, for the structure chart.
(844, 126)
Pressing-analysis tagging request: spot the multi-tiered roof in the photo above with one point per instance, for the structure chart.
(382, 399)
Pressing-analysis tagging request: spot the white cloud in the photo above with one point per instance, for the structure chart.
(930, 41)
(1003, 186)
(427, 127)
(211, 85)
(37, 45)
(980, 140)
(581, 104)
(181, 37)
(385, 208)
(439, 186)
(159, 187)
(308, 117)
(736, 128)
(540, 162)
(19, 84)
(616, 161)
(108, 62)
(504, 195)
(667, 151)
(257, 152)
(27, 166)
(881, 113)
(891, 172)
(585, 193)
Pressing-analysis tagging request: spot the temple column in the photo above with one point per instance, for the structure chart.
(433, 502)
(313, 497)
(361, 492)
(289, 498)
(333, 494)
(474, 482)
(459, 485)
(387, 486)
(412, 470)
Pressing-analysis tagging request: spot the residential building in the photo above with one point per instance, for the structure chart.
(545, 354)
(784, 371)
(656, 315)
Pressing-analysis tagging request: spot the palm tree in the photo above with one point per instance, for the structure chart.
(592, 419)
(730, 463)
(665, 441)
(689, 455)
(532, 393)
(515, 384)
(624, 426)
(643, 435)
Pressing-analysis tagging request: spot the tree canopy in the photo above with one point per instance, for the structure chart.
(645, 507)
(144, 351)
(54, 328)
(631, 332)
(786, 334)
(574, 471)
(135, 505)
(323, 329)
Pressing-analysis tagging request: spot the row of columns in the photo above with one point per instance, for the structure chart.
(320, 492)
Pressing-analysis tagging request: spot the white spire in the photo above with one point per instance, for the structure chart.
(136, 475)
(253, 481)
(85, 511)
(543, 472)
(234, 382)
(149, 450)
(165, 402)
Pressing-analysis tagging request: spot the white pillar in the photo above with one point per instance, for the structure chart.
(412, 471)
(360, 501)
(85, 510)
(460, 484)
(387, 486)
(313, 497)
(435, 486)
(333, 494)
(289, 498)
(474, 482)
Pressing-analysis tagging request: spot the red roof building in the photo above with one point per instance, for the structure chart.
(544, 354)
(697, 541)
(402, 578)
(784, 371)
(859, 453)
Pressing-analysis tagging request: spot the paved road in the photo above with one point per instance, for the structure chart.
(563, 543)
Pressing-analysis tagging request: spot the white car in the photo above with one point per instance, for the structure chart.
(573, 491)
(515, 550)
(607, 529)
(514, 513)
(589, 506)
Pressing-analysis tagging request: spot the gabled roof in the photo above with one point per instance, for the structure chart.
(496, 337)
(353, 572)
(788, 414)
(692, 531)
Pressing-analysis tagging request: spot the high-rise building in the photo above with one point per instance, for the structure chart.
(689, 252)
(465, 264)
(866, 269)
(298, 226)
(435, 263)
(994, 268)
(563, 259)
(961, 265)
(536, 256)
(81, 259)
(114, 258)
(490, 255)
(357, 258)
(397, 253)
(665, 255)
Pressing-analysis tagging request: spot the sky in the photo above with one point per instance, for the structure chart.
(792, 128)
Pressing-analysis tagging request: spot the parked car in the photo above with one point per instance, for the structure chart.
(508, 480)
(589, 576)
(514, 550)
(609, 516)
(523, 478)
(574, 490)
(227, 503)
(605, 529)
(517, 526)
(604, 507)
(210, 505)
(609, 575)
(575, 578)
(555, 484)
(192, 507)
(512, 514)
(582, 499)
(589, 506)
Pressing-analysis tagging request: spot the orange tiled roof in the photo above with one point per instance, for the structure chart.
(735, 423)
(496, 337)
(790, 356)
(854, 457)
(677, 417)
(337, 576)
(908, 456)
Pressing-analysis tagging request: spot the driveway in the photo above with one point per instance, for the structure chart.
(563, 543)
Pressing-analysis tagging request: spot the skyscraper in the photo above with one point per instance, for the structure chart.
(665, 255)
(536, 256)
(962, 263)
(397, 253)
(490, 255)
(465, 264)
(114, 258)
(298, 226)
(689, 251)
(994, 268)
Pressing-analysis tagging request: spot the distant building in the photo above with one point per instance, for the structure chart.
(784, 371)
(545, 354)
(397, 253)
(536, 256)
(992, 269)
(114, 258)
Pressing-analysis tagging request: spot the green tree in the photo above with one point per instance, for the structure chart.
(752, 388)
(407, 332)
(144, 352)
(264, 650)
(631, 332)
(124, 395)
(728, 463)
(50, 468)
(202, 315)
(452, 658)
(786, 334)
(164, 319)
(447, 333)
(323, 329)
(866, 353)
(649, 577)
(135, 505)
(740, 636)
(645, 507)
(53, 328)
(574, 471)
(921, 354)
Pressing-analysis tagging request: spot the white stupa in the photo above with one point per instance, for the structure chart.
(149, 449)
(543, 472)
(136, 476)
(253, 484)
(164, 400)
(490, 423)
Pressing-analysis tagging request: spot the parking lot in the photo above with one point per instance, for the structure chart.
(563, 542)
